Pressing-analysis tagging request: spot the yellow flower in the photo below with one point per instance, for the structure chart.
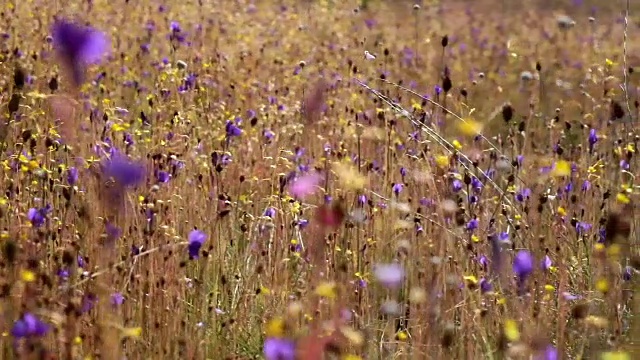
(470, 127)
(27, 276)
(133, 332)
(351, 357)
(402, 335)
(615, 355)
(511, 330)
(442, 161)
(326, 289)
(471, 279)
(562, 169)
(602, 285)
(349, 177)
(275, 327)
(622, 198)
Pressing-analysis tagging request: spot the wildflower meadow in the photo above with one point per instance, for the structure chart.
(308, 180)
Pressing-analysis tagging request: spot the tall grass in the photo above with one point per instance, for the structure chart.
(476, 139)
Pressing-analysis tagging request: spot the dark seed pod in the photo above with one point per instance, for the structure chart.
(19, 78)
(446, 84)
(507, 113)
(617, 112)
(10, 250)
(580, 311)
(53, 84)
(445, 41)
(14, 103)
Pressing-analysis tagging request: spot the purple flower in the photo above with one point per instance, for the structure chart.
(163, 176)
(593, 138)
(196, 239)
(485, 286)
(523, 195)
(78, 46)
(117, 299)
(124, 172)
(389, 275)
(546, 263)
(279, 349)
(456, 185)
(627, 273)
(88, 302)
(113, 232)
(523, 264)
(472, 224)
(476, 184)
(29, 326)
(549, 353)
(232, 129)
(270, 212)
(72, 176)
(38, 216)
(569, 296)
(397, 188)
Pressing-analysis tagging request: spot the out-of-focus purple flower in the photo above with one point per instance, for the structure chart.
(549, 353)
(397, 188)
(72, 176)
(485, 286)
(593, 138)
(523, 195)
(123, 171)
(268, 134)
(389, 275)
(279, 349)
(476, 184)
(546, 263)
(583, 227)
(232, 129)
(472, 224)
(163, 176)
(37, 217)
(270, 212)
(117, 299)
(29, 326)
(88, 302)
(78, 46)
(113, 232)
(627, 273)
(523, 264)
(624, 164)
(483, 261)
(196, 239)
(586, 185)
(456, 185)
(569, 296)
(305, 185)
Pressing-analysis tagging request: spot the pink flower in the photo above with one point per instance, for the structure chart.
(305, 185)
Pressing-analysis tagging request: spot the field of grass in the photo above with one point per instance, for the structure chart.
(319, 180)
